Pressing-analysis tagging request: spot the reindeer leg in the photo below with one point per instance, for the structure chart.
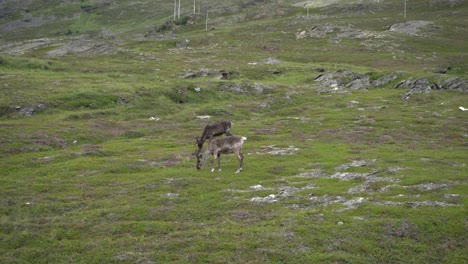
(240, 158)
(215, 156)
(219, 162)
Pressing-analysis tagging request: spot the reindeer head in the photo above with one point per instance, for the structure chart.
(202, 156)
(199, 144)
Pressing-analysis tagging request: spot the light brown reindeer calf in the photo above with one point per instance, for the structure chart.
(216, 147)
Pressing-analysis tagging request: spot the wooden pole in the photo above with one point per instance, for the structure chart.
(178, 11)
(404, 12)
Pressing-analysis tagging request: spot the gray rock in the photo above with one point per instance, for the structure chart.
(183, 43)
(453, 83)
(410, 27)
(359, 82)
(422, 85)
(208, 73)
(416, 85)
(445, 3)
(385, 79)
(30, 109)
(256, 88)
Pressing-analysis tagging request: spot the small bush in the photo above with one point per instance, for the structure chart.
(182, 21)
(6, 111)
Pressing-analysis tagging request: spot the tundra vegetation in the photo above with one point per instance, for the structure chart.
(355, 117)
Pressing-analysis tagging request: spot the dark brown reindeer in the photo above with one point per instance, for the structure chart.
(216, 147)
(213, 130)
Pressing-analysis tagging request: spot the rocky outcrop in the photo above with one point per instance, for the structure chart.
(345, 79)
(452, 83)
(423, 85)
(341, 80)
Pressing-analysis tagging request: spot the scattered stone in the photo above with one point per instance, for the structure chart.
(273, 71)
(256, 88)
(258, 188)
(355, 163)
(172, 195)
(415, 204)
(394, 169)
(311, 174)
(183, 43)
(289, 191)
(273, 150)
(353, 203)
(205, 73)
(203, 117)
(271, 61)
(431, 186)
(29, 110)
(267, 199)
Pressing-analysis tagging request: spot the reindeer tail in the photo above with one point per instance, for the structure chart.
(244, 138)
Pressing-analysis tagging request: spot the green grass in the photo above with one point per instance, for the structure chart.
(91, 178)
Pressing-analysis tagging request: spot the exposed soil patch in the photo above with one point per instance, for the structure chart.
(84, 47)
(22, 47)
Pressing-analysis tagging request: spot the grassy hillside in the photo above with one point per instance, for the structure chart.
(100, 101)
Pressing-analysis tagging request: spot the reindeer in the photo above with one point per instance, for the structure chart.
(216, 147)
(213, 130)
